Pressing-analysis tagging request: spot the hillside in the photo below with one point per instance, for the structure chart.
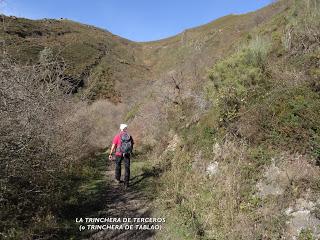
(225, 119)
(94, 57)
(107, 65)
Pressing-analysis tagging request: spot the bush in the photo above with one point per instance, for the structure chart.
(306, 234)
(238, 78)
(288, 118)
(202, 206)
(41, 144)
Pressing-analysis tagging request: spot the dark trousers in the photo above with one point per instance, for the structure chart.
(118, 161)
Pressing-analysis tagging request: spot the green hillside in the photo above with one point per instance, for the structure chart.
(225, 119)
(246, 167)
(106, 65)
(94, 57)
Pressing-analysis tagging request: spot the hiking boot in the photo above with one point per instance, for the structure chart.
(126, 185)
(120, 181)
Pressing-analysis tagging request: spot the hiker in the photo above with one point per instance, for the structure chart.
(122, 144)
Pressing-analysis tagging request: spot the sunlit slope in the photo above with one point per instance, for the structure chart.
(104, 65)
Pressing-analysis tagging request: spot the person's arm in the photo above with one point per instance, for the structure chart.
(113, 146)
(132, 143)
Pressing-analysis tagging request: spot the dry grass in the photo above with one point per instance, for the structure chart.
(209, 206)
(302, 34)
(263, 96)
(227, 205)
(46, 138)
(104, 119)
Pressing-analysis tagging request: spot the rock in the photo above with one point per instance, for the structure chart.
(301, 217)
(274, 181)
(212, 168)
(199, 165)
(173, 143)
(269, 189)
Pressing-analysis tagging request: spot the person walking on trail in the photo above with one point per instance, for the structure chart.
(122, 144)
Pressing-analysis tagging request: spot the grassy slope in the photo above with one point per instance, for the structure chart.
(109, 65)
(265, 111)
(205, 44)
(92, 55)
(279, 115)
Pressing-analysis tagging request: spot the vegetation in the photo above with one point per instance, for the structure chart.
(239, 78)
(88, 52)
(41, 145)
(48, 141)
(258, 113)
(212, 144)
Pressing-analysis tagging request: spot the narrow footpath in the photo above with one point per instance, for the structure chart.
(132, 202)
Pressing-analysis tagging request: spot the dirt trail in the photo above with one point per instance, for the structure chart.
(124, 203)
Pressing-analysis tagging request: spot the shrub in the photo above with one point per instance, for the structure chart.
(287, 118)
(238, 78)
(204, 207)
(257, 52)
(42, 142)
(306, 234)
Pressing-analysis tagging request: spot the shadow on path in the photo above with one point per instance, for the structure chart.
(123, 203)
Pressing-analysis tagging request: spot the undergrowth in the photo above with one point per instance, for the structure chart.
(265, 111)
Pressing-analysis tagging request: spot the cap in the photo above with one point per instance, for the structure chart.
(123, 126)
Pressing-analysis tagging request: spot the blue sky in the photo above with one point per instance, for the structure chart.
(138, 20)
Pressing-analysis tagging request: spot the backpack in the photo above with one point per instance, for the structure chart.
(126, 143)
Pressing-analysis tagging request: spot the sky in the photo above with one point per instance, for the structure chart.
(137, 20)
